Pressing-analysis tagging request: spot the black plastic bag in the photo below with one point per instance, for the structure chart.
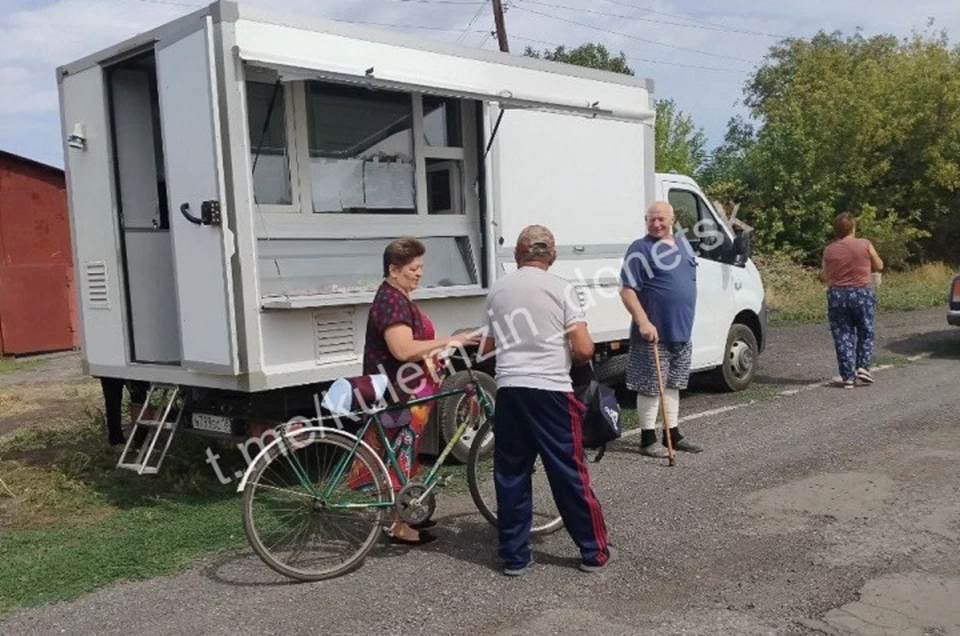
(601, 420)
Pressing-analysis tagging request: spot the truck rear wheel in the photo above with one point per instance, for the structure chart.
(740, 360)
(613, 371)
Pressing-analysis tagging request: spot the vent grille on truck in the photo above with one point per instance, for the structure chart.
(334, 335)
(95, 277)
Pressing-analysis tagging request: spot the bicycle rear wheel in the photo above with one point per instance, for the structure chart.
(296, 532)
(546, 518)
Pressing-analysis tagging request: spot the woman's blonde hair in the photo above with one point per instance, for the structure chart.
(843, 225)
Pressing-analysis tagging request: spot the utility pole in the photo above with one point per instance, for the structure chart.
(501, 29)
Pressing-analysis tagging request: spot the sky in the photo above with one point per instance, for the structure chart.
(698, 52)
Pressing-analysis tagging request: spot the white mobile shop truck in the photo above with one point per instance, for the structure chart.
(235, 175)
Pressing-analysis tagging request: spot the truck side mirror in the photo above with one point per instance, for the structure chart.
(741, 247)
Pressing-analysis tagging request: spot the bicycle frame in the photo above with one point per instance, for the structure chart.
(373, 419)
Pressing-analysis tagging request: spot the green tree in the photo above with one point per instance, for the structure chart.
(590, 55)
(728, 163)
(679, 145)
(866, 125)
(725, 174)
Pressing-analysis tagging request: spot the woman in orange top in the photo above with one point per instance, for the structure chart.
(847, 264)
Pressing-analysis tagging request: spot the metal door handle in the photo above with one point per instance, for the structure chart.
(185, 211)
(209, 213)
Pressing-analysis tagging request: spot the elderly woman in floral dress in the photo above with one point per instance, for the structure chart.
(401, 343)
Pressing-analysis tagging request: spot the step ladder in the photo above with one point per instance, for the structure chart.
(150, 438)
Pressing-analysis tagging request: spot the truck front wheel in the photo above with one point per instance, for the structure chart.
(740, 360)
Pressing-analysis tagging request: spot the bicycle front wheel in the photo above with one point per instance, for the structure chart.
(297, 531)
(546, 518)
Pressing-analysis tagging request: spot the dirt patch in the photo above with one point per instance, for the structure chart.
(46, 391)
(48, 404)
(901, 604)
(862, 516)
(56, 367)
(584, 621)
(843, 496)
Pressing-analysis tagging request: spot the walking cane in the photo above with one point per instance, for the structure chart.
(663, 403)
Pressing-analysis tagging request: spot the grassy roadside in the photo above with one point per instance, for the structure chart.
(72, 523)
(14, 364)
(794, 295)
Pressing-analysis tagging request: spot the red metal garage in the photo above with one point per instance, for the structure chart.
(38, 309)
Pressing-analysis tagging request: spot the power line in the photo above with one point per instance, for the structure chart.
(648, 61)
(403, 26)
(683, 17)
(705, 26)
(489, 35)
(466, 2)
(486, 38)
(476, 16)
(169, 3)
(481, 3)
(632, 37)
(200, 5)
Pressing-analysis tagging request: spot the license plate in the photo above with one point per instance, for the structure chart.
(212, 423)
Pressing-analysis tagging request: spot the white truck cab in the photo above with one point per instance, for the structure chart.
(729, 328)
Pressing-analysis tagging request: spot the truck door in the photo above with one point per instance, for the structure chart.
(202, 242)
(715, 292)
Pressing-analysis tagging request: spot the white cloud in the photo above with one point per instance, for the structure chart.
(34, 41)
(21, 94)
(61, 32)
(656, 35)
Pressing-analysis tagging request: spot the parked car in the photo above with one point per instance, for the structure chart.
(953, 302)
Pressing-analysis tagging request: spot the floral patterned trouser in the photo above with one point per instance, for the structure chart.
(850, 311)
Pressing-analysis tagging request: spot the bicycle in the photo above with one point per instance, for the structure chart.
(305, 521)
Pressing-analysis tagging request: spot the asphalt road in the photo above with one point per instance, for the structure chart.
(813, 510)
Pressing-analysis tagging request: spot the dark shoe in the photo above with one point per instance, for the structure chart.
(429, 523)
(654, 450)
(514, 571)
(423, 538)
(596, 567)
(687, 446)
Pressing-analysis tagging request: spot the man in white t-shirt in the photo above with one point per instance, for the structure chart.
(537, 325)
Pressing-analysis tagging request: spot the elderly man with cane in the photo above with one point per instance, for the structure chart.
(659, 289)
(540, 328)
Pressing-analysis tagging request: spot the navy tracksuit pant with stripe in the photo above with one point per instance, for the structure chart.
(531, 422)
